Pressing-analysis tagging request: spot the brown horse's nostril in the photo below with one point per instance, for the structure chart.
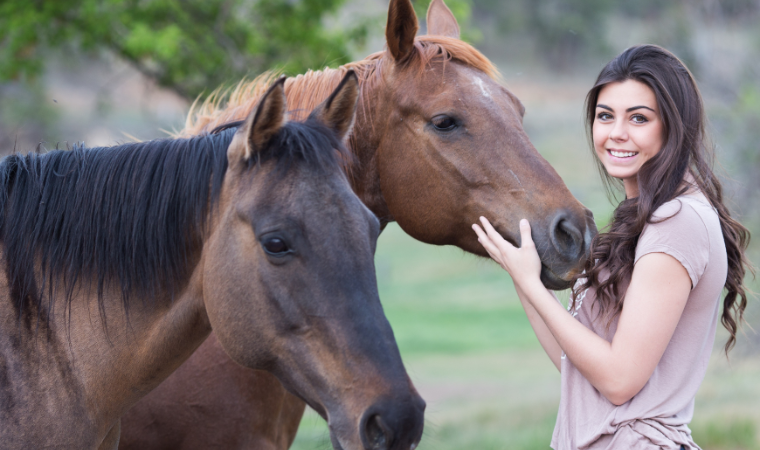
(566, 238)
(591, 231)
(377, 434)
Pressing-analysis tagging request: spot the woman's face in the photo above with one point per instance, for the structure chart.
(627, 130)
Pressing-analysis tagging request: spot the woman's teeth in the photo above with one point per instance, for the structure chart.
(622, 154)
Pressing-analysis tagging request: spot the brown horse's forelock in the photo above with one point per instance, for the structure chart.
(304, 92)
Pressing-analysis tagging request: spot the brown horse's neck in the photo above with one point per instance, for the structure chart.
(304, 92)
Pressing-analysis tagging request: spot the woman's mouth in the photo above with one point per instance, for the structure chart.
(622, 154)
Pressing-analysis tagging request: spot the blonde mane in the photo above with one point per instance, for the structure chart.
(304, 92)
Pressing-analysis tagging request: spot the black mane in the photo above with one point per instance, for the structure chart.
(123, 217)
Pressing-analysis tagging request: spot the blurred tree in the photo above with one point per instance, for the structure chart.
(24, 116)
(186, 45)
(567, 33)
(561, 30)
(569, 27)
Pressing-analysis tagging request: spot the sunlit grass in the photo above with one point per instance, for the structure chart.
(727, 433)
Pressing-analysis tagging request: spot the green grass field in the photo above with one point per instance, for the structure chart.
(488, 385)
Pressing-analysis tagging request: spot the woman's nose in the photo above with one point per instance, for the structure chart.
(618, 132)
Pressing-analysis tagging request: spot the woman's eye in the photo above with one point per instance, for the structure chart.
(638, 118)
(444, 123)
(275, 247)
(604, 116)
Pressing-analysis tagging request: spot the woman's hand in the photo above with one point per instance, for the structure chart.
(523, 264)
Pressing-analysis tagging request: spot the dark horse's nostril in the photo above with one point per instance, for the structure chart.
(566, 238)
(377, 433)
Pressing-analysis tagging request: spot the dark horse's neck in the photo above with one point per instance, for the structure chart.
(122, 218)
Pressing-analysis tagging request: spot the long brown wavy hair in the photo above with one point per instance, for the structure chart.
(660, 179)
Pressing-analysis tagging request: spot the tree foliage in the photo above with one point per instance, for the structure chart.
(186, 45)
(567, 33)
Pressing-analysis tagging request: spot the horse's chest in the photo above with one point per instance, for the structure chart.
(41, 401)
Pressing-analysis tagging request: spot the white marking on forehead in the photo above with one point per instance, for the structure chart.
(513, 174)
(521, 189)
(483, 89)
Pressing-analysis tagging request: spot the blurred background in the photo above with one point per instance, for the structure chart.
(110, 71)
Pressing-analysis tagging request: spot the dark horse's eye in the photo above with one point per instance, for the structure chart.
(444, 123)
(275, 247)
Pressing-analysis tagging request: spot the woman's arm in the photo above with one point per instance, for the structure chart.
(544, 335)
(653, 305)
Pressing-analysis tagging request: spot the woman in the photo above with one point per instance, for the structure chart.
(635, 347)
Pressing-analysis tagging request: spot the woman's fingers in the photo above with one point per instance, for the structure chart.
(486, 242)
(497, 239)
(479, 231)
(519, 262)
(525, 233)
(488, 227)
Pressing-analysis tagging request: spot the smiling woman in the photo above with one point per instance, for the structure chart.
(634, 350)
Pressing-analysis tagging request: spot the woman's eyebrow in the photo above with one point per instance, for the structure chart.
(638, 107)
(633, 108)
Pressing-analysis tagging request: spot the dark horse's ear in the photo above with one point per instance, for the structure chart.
(401, 30)
(262, 124)
(440, 20)
(337, 112)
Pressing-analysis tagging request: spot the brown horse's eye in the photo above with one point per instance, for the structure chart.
(444, 123)
(275, 247)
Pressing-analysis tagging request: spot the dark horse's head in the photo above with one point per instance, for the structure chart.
(289, 277)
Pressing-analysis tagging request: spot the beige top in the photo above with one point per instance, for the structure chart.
(658, 416)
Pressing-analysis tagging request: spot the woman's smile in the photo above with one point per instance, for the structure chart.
(622, 154)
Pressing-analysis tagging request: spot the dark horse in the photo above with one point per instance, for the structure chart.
(438, 143)
(118, 261)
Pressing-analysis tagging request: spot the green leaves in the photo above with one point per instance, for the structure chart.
(189, 46)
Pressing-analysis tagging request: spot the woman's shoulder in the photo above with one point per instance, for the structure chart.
(687, 228)
(691, 213)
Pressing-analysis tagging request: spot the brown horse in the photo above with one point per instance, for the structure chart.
(118, 261)
(439, 142)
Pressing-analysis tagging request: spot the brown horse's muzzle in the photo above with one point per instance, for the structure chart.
(564, 253)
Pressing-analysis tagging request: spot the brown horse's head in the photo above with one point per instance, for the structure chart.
(450, 147)
(289, 278)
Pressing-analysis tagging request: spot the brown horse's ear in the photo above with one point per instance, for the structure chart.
(401, 30)
(263, 122)
(337, 112)
(440, 20)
